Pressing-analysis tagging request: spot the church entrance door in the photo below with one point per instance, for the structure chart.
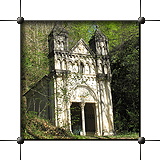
(89, 111)
(76, 118)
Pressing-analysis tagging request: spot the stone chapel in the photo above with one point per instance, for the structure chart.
(76, 94)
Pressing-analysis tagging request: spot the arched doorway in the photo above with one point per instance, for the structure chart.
(89, 111)
(84, 116)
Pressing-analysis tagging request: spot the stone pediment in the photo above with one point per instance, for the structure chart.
(81, 48)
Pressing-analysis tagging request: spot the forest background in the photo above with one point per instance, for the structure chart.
(123, 39)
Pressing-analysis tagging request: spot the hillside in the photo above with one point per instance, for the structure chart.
(39, 128)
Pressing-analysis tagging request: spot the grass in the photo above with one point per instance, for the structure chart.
(39, 128)
(128, 135)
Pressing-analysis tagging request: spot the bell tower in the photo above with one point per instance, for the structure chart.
(58, 51)
(58, 44)
(99, 45)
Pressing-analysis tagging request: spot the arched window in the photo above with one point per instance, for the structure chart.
(58, 44)
(81, 68)
(64, 65)
(62, 46)
(103, 51)
(92, 69)
(102, 48)
(58, 64)
(100, 68)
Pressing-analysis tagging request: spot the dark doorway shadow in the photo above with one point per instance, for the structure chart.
(89, 119)
(76, 118)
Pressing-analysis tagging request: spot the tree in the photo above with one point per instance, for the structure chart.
(125, 86)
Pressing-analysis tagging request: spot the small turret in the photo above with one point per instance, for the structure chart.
(99, 43)
(58, 44)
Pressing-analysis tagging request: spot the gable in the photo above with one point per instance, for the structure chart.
(81, 48)
(39, 86)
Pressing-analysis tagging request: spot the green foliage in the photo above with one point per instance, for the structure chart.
(124, 59)
(39, 128)
(125, 87)
(125, 135)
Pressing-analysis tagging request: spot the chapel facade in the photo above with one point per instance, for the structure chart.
(76, 94)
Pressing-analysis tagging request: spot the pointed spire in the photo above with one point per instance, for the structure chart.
(98, 33)
(58, 29)
(58, 26)
(97, 26)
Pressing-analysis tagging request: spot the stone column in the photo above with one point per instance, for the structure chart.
(69, 116)
(97, 118)
(83, 118)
